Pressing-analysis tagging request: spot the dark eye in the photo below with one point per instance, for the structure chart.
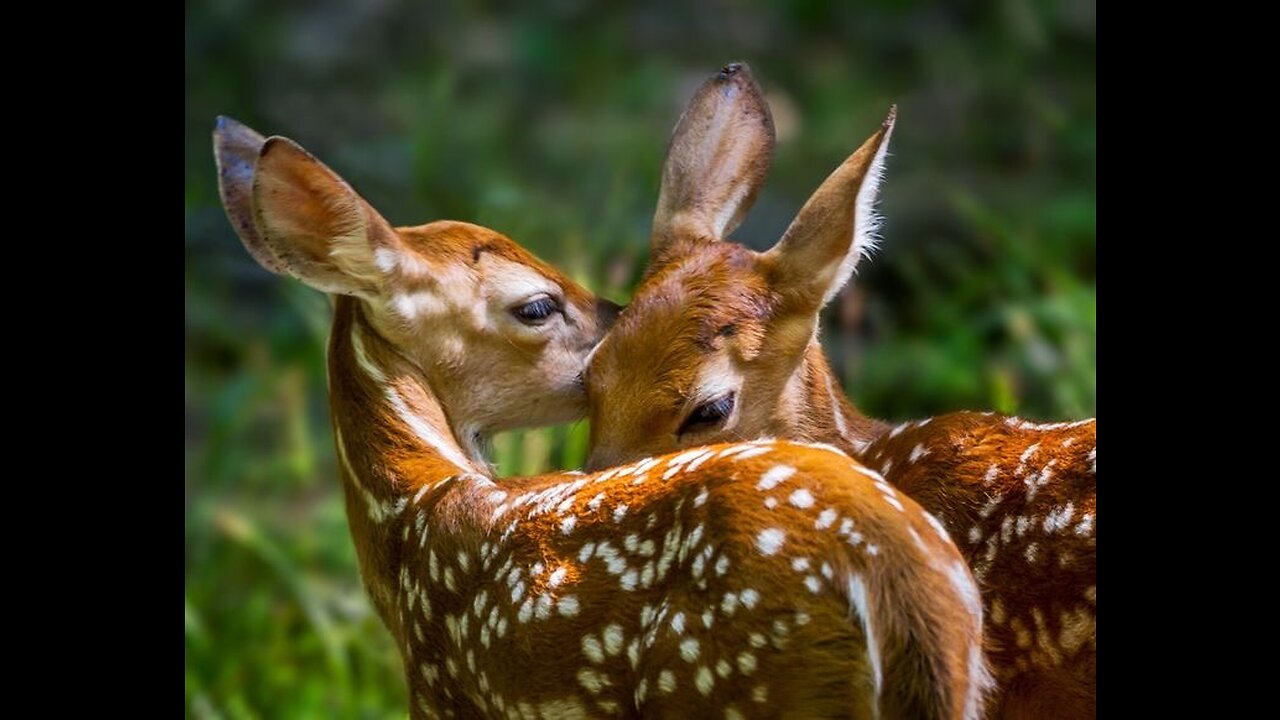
(535, 312)
(708, 414)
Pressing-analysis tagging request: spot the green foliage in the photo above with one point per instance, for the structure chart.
(549, 125)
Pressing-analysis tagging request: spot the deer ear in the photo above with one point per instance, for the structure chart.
(719, 155)
(838, 225)
(323, 233)
(236, 147)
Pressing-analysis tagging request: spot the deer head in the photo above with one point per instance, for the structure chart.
(462, 302)
(727, 335)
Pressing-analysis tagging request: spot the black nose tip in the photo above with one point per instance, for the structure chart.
(730, 70)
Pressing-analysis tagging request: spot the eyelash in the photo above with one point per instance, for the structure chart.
(536, 311)
(708, 414)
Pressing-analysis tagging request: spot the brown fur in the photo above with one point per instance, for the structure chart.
(816, 669)
(786, 389)
(439, 542)
(1036, 564)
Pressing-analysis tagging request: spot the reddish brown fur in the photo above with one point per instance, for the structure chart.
(1035, 563)
(640, 398)
(436, 539)
(818, 669)
(794, 403)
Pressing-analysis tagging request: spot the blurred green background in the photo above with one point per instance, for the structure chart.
(550, 125)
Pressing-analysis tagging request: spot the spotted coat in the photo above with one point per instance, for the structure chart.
(1020, 500)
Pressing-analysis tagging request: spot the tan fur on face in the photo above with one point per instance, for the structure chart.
(531, 374)
(712, 310)
(443, 292)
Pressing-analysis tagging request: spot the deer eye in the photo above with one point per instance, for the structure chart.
(535, 312)
(708, 414)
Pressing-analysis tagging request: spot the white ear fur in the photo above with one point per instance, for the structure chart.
(866, 220)
(837, 225)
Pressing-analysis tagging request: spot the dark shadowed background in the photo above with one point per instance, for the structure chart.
(550, 125)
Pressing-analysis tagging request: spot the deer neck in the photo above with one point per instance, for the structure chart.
(394, 446)
(819, 411)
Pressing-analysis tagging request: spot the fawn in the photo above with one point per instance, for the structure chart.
(760, 579)
(738, 357)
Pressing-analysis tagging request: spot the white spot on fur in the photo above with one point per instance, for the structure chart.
(667, 682)
(770, 540)
(801, 498)
(722, 565)
(1022, 459)
(693, 465)
(591, 680)
(613, 639)
(629, 580)
(1023, 523)
(825, 519)
(689, 649)
(1059, 518)
(752, 452)
(774, 476)
(701, 499)
(567, 524)
(592, 648)
(917, 452)
(557, 577)
(1031, 552)
(568, 606)
(705, 681)
(1085, 527)
(814, 585)
(542, 609)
